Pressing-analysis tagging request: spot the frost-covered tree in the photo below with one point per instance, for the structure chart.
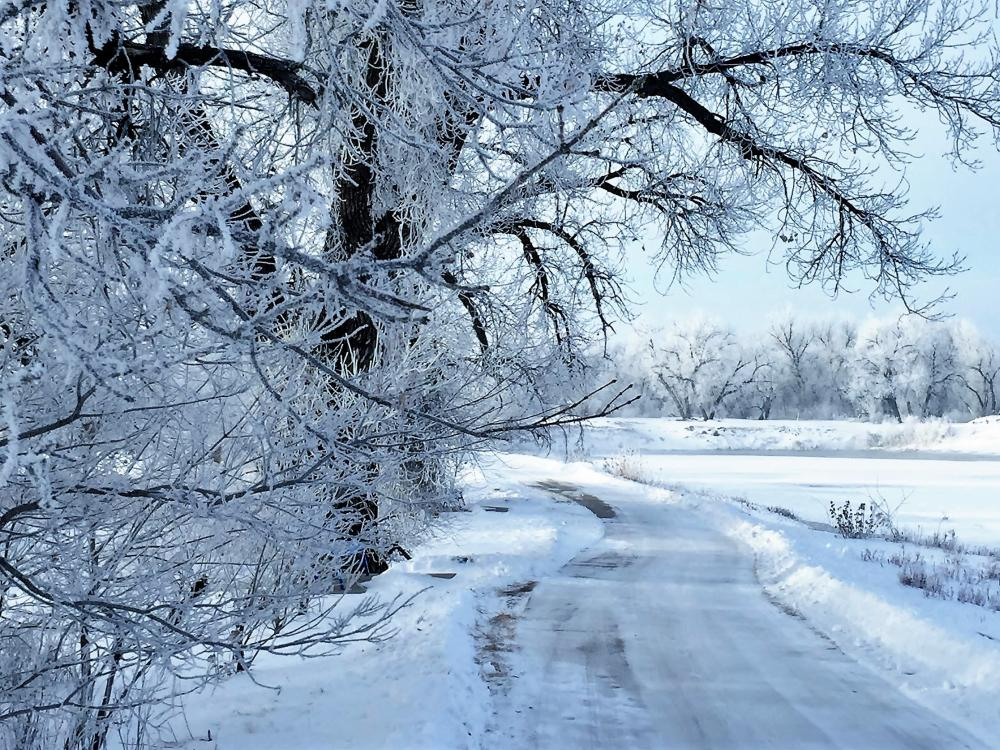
(895, 367)
(835, 342)
(759, 397)
(883, 358)
(269, 269)
(627, 359)
(978, 372)
(793, 359)
(981, 380)
(701, 368)
(904, 367)
(931, 378)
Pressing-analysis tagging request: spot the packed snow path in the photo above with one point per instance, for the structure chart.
(660, 637)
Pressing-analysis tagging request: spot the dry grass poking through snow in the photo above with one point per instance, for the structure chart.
(971, 578)
(626, 465)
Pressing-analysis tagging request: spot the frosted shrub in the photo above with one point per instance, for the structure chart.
(917, 574)
(966, 578)
(858, 522)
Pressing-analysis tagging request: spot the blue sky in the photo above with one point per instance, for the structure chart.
(747, 290)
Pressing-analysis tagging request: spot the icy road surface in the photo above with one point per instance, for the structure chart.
(659, 636)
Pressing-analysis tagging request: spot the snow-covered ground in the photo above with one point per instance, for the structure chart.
(471, 647)
(659, 636)
(940, 652)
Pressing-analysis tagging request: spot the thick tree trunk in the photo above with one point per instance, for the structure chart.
(352, 346)
(891, 407)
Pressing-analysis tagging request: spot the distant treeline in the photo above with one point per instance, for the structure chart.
(881, 368)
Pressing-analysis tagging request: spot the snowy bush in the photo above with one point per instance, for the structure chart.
(943, 567)
(956, 577)
(859, 522)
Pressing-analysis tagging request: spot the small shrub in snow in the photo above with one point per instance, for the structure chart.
(992, 572)
(945, 540)
(971, 595)
(915, 573)
(855, 523)
(873, 555)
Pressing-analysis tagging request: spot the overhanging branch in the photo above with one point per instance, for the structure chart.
(130, 56)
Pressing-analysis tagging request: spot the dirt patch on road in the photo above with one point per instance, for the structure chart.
(495, 636)
(591, 502)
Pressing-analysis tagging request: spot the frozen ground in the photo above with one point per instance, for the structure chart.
(942, 652)
(659, 636)
(646, 616)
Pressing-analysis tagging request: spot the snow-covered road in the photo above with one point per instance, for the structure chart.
(659, 636)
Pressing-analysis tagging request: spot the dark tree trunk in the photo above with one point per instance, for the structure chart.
(351, 346)
(891, 407)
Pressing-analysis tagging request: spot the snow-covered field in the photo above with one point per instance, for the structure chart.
(980, 437)
(934, 476)
(438, 683)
